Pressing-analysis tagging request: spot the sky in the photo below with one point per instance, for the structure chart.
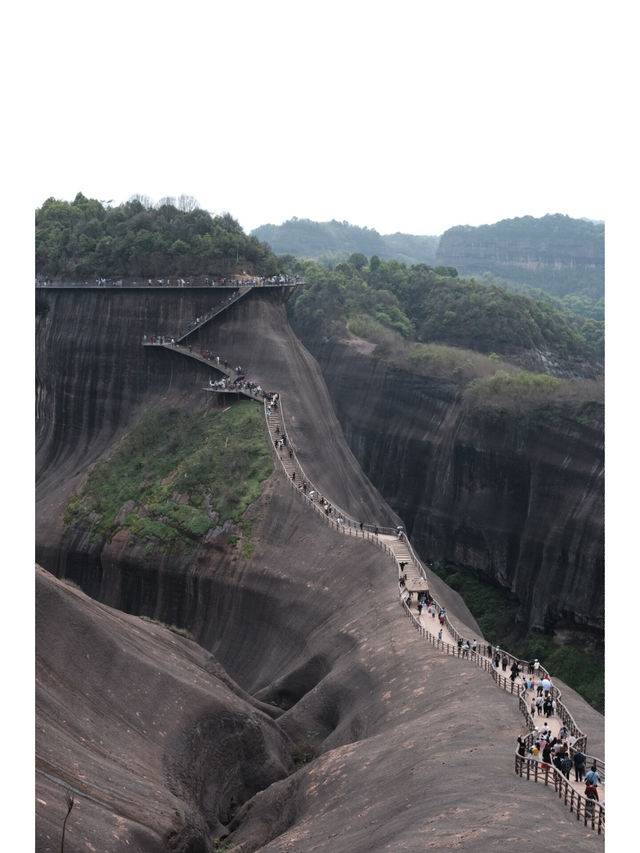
(411, 116)
(403, 116)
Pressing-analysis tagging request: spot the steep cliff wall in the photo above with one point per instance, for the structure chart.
(139, 723)
(518, 499)
(94, 378)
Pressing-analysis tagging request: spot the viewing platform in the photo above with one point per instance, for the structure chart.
(199, 283)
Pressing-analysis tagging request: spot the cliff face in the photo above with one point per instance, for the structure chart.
(94, 378)
(168, 748)
(520, 500)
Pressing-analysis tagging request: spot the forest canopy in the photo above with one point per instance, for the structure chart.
(434, 305)
(86, 238)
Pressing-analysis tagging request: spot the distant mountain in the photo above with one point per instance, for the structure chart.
(336, 241)
(556, 254)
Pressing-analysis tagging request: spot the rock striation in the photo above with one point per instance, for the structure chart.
(517, 499)
(309, 715)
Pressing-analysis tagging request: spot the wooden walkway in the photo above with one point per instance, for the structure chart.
(443, 636)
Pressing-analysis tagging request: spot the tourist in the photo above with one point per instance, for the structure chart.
(579, 761)
(591, 793)
(592, 777)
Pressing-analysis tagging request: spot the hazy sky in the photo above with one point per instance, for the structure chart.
(399, 116)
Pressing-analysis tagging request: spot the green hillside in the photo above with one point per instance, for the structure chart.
(335, 241)
(87, 238)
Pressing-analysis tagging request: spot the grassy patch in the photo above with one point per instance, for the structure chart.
(177, 475)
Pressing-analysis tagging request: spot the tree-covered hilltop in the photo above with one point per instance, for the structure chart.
(430, 305)
(87, 238)
(336, 241)
(562, 256)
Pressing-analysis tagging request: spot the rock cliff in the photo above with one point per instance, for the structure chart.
(303, 650)
(518, 499)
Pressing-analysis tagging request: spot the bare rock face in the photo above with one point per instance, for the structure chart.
(520, 500)
(156, 744)
(309, 715)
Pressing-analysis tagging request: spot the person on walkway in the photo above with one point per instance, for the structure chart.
(592, 777)
(419, 607)
(591, 793)
(474, 646)
(539, 703)
(565, 763)
(522, 747)
(442, 617)
(459, 646)
(579, 763)
(440, 635)
(465, 649)
(533, 708)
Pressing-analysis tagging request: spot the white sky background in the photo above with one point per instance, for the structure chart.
(404, 116)
(400, 116)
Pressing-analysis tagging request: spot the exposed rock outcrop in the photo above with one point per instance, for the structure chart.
(170, 748)
(519, 499)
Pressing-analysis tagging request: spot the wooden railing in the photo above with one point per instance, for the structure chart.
(589, 811)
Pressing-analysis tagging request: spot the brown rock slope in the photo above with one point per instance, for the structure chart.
(170, 748)
(415, 748)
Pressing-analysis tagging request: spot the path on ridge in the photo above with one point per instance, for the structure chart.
(386, 538)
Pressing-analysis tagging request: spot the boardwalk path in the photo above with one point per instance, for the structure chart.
(400, 550)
